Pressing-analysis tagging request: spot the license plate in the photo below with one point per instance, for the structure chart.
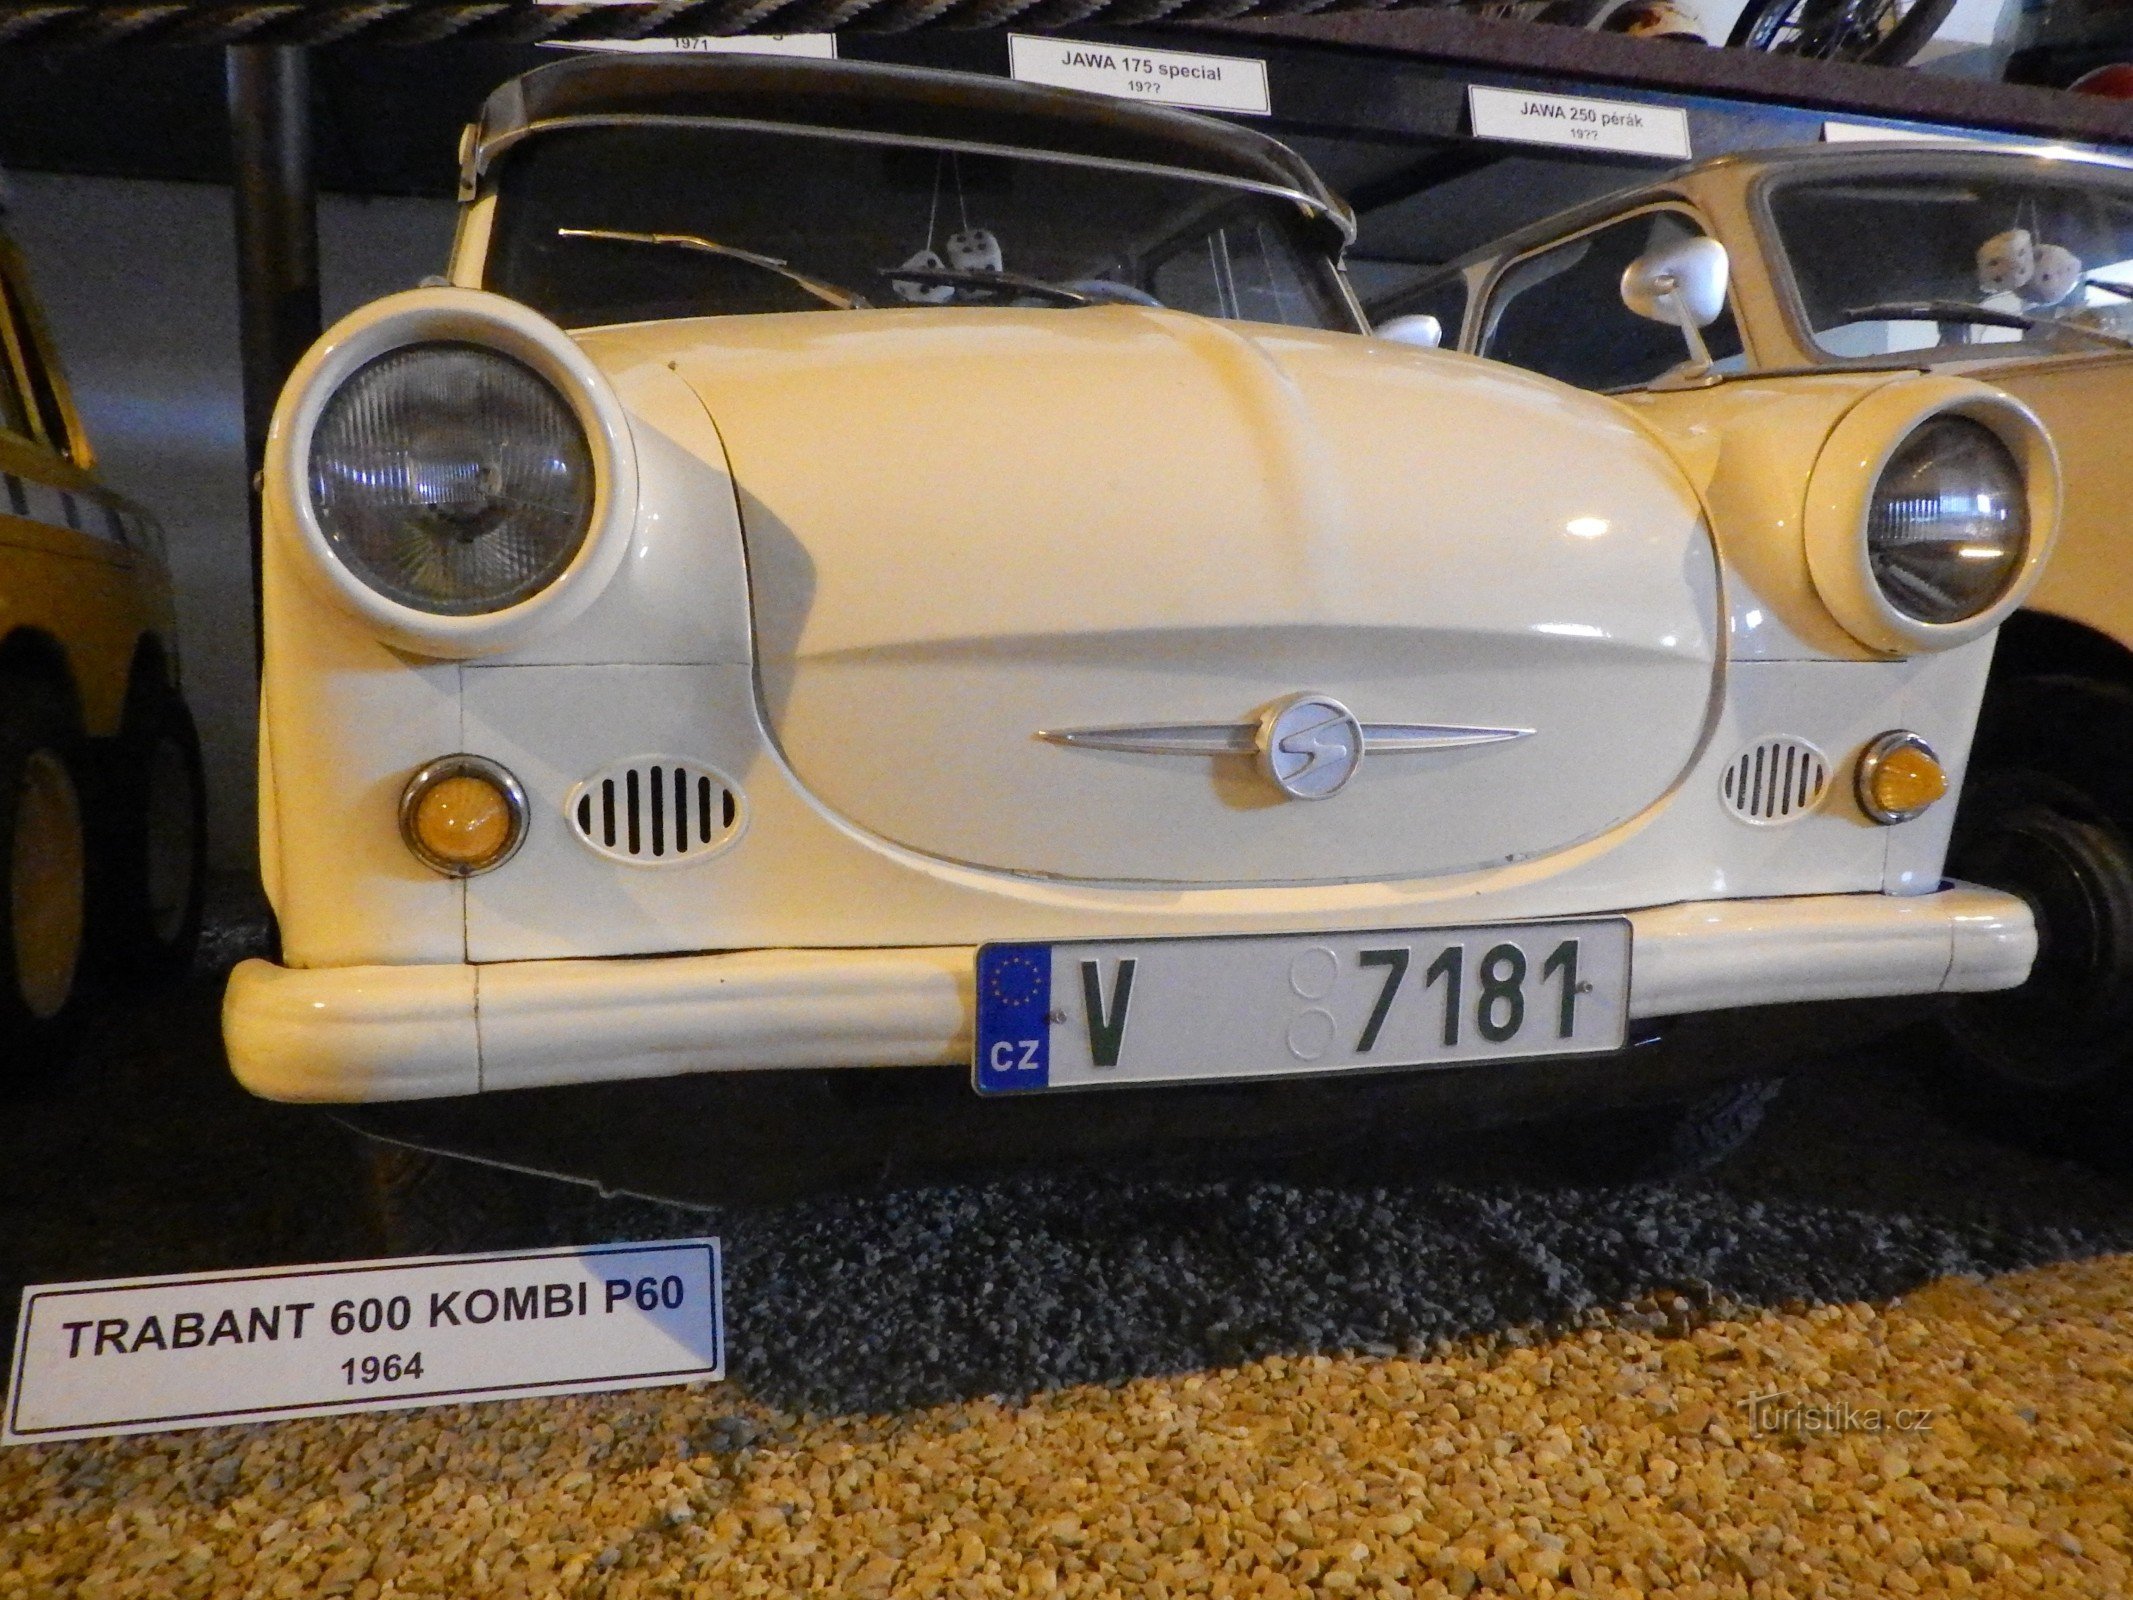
(1076, 1015)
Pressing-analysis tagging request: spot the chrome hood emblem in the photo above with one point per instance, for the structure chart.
(1308, 745)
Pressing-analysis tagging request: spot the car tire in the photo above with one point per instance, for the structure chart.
(1660, 1142)
(44, 864)
(2045, 815)
(154, 838)
(1678, 1140)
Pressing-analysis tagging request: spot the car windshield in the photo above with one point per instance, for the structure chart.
(640, 223)
(1946, 261)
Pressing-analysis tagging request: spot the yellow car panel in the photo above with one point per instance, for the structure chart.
(78, 565)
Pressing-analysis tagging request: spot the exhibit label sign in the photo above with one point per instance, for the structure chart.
(1626, 126)
(142, 1354)
(1165, 77)
(810, 46)
(1877, 133)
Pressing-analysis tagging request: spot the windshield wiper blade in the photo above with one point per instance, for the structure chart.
(1963, 311)
(829, 293)
(978, 278)
(1939, 311)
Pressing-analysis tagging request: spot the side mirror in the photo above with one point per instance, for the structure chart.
(1422, 331)
(1683, 283)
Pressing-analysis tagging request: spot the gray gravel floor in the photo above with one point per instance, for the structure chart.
(873, 1302)
(148, 1159)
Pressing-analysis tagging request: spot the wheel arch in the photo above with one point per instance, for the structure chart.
(33, 653)
(2038, 644)
(2060, 702)
(155, 667)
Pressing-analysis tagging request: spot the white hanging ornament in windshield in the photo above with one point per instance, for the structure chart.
(2058, 272)
(925, 294)
(2006, 261)
(975, 250)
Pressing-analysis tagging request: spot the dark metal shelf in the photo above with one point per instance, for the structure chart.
(1452, 38)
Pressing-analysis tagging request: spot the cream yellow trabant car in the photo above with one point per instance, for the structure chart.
(1901, 265)
(867, 567)
(101, 811)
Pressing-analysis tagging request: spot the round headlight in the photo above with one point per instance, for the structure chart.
(1930, 511)
(1947, 531)
(451, 478)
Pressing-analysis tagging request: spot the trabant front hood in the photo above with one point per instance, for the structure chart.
(966, 528)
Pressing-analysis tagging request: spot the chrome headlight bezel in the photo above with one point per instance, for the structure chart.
(466, 317)
(1840, 499)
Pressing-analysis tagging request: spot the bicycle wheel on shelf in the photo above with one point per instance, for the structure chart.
(1883, 32)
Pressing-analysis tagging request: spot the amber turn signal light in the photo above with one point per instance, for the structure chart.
(461, 815)
(1899, 777)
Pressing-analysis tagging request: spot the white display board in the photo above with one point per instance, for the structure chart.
(1162, 77)
(1870, 133)
(138, 1355)
(811, 46)
(1575, 122)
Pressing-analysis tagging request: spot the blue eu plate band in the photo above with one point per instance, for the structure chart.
(1014, 1030)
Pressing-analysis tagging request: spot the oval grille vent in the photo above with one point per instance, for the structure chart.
(655, 811)
(1775, 780)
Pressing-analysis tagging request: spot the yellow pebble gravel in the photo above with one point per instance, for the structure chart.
(1970, 1439)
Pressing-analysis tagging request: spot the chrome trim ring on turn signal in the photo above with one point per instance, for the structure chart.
(1882, 758)
(481, 855)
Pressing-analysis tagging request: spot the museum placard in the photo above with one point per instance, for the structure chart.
(143, 1354)
(1161, 77)
(1834, 132)
(1628, 127)
(806, 46)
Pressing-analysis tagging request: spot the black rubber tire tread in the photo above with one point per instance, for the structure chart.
(126, 938)
(34, 715)
(1912, 34)
(2054, 760)
(2092, 1045)
(2066, 725)
(1665, 1142)
(1751, 18)
(1904, 41)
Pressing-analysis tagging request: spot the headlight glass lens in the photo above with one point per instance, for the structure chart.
(1949, 526)
(452, 478)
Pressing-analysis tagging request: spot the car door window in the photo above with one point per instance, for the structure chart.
(29, 379)
(1445, 300)
(1560, 311)
(14, 405)
(1955, 255)
(1242, 269)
